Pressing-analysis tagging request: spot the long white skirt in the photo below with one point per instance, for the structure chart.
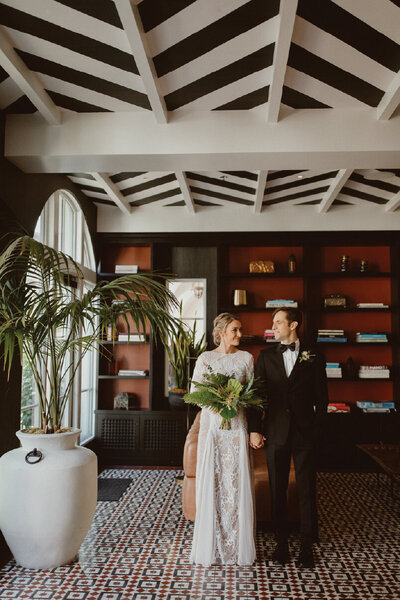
(224, 526)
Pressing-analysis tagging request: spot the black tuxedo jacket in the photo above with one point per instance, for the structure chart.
(297, 403)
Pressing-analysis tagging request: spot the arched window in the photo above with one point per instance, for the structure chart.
(62, 226)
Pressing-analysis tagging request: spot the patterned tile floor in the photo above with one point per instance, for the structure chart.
(137, 549)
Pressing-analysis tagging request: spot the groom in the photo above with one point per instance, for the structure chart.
(294, 380)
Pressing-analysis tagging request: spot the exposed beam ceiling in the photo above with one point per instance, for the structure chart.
(334, 189)
(394, 203)
(390, 100)
(113, 192)
(185, 189)
(262, 180)
(149, 93)
(28, 82)
(287, 15)
(220, 140)
(130, 19)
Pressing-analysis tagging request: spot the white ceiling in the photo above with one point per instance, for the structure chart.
(210, 115)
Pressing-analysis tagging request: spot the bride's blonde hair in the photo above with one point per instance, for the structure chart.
(221, 322)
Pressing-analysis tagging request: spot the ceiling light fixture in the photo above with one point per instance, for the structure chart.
(299, 176)
(376, 174)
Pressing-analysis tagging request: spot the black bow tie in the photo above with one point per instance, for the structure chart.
(284, 347)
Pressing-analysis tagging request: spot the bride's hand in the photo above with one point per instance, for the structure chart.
(256, 440)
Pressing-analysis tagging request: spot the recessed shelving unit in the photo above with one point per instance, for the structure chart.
(318, 258)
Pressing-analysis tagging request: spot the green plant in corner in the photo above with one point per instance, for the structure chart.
(181, 348)
(53, 328)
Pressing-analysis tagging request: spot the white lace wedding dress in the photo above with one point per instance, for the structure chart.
(224, 525)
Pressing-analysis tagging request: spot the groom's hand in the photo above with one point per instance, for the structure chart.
(256, 440)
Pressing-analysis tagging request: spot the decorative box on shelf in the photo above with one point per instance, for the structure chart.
(335, 300)
(124, 401)
(262, 266)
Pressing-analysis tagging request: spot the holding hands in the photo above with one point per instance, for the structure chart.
(256, 440)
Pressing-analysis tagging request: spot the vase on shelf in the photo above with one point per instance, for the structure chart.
(344, 264)
(292, 264)
(239, 298)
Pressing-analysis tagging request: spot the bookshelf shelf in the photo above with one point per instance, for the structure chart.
(116, 342)
(144, 377)
(349, 275)
(276, 275)
(248, 309)
(133, 354)
(115, 275)
(352, 310)
(360, 379)
(322, 344)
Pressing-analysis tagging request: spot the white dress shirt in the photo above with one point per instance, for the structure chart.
(290, 357)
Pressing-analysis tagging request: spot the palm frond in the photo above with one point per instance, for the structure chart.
(37, 302)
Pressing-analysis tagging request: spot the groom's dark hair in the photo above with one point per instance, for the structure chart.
(292, 314)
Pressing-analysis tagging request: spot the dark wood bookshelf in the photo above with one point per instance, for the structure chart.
(223, 261)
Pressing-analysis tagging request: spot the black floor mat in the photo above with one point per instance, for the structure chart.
(110, 490)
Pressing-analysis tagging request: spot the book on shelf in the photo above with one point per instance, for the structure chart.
(377, 410)
(374, 372)
(371, 334)
(131, 337)
(374, 367)
(372, 305)
(133, 372)
(365, 404)
(248, 337)
(371, 337)
(338, 407)
(334, 374)
(333, 370)
(279, 303)
(331, 335)
(269, 335)
(330, 331)
(324, 338)
(126, 269)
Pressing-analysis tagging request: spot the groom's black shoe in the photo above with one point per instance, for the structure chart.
(305, 559)
(281, 553)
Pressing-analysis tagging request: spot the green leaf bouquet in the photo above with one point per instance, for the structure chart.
(224, 395)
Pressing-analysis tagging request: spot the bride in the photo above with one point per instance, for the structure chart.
(224, 525)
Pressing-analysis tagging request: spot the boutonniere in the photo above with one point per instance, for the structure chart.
(306, 356)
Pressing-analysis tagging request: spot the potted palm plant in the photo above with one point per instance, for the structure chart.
(182, 350)
(49, 485)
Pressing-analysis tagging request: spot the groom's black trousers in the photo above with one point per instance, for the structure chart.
(278, 461)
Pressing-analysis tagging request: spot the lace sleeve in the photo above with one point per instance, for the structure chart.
(249, 367)
(199, 370)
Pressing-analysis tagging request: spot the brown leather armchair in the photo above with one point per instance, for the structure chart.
(261, 483)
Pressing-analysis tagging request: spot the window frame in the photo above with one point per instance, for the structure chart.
(49, 231)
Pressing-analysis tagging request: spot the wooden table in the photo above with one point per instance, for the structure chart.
(387, 456)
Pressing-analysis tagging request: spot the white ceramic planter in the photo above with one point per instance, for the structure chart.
(46, 508)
